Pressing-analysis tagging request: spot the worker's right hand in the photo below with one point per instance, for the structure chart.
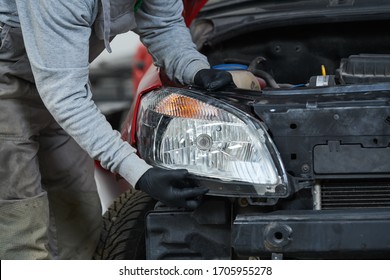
(172, 187)
(213, 79)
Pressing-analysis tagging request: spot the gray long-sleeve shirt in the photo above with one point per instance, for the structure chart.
(56, 35)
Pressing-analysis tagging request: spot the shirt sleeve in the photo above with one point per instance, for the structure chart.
(162, 29)
(56, 35)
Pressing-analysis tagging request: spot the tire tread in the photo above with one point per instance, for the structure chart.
(123, 229)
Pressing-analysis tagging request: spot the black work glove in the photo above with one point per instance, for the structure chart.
(172, 187)
(212, 79)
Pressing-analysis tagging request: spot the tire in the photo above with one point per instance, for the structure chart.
(123, 232)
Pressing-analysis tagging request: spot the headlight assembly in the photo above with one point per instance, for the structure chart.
(227, 150)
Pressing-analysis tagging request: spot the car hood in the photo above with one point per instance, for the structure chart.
(191, 9)
(223, 19)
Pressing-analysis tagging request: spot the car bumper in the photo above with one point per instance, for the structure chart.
(326, 234)
(211, 232)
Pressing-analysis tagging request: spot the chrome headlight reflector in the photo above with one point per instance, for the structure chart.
(179, 128)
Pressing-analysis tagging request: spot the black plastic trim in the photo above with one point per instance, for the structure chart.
(323, 234)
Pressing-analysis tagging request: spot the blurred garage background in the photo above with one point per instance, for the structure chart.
(111, 76)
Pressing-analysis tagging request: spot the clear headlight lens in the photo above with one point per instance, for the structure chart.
(178, 129)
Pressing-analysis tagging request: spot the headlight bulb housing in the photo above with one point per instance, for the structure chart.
(224, 148)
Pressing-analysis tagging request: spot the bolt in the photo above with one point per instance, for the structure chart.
(243, 202)
(305, 168)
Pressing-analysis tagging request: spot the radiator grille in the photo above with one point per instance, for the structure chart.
(336, 196)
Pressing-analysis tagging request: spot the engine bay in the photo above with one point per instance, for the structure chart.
(314, 55)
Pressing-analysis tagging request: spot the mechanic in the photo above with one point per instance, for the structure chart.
(50, 128)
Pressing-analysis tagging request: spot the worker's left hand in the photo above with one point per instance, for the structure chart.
(175, 188)
(213, 79)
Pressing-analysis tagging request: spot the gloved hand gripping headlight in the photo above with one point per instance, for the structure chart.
(230, 152)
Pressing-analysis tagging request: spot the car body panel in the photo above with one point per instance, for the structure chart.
(333, 137)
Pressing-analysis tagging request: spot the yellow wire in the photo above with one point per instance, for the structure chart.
(323, 70)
